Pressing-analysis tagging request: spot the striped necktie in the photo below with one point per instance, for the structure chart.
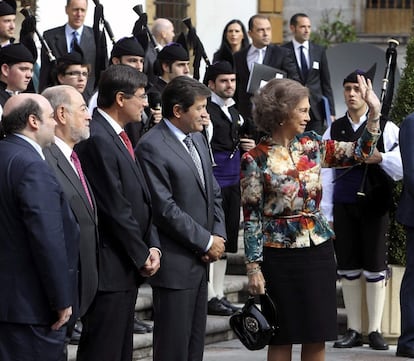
(188, 141)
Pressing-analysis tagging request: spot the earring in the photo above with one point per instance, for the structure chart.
(280, 124)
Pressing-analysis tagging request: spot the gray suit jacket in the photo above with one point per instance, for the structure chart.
(185, 213)
(87, 220)
(56, 39)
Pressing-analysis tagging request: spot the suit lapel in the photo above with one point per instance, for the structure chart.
(60, 41)
(268, 55)
(70, 174)
(292, 49)
(136, 168)
(173, 143)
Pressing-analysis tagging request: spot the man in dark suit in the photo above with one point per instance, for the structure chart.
(163, 33)
(72, 118)
(189, 218)
(263, 52)
(405, 215)
(315, 72)
(61, 40)
(128, 242)
(39, 240)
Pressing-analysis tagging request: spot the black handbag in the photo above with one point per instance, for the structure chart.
(254, 327)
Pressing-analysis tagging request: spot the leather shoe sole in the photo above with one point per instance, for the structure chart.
(349, 340)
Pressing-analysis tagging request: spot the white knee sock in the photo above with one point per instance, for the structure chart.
(218, 277)
(375, 304)
(211, 286)
(352, 293)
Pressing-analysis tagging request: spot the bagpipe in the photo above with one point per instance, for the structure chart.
(141, 30)
(387, 92)
(28, 28)
(101, 27)
(194, 42)
(381, 180)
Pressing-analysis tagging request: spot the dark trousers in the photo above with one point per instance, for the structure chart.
(406, 340)
(180, 323)
(20, 342)
(107, 333)
(361, 239)
(231, 208)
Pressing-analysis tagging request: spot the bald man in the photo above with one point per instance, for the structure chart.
(163, 33)
(39, 241)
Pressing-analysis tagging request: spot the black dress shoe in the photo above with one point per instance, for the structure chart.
(215, 307)
(227, 304)
(148, 327)
(76, 334)
(138, 327)
(405, 352)
(376, 341)
(350, 339)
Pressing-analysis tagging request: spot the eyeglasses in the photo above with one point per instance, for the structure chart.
(77, 73)
(141, 97)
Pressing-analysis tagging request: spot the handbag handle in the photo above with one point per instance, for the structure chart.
(270, 309)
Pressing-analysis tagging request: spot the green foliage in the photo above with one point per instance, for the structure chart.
(402, 106)
(333, 31)
(396, 248)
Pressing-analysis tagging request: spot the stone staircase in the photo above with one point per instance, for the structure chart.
(218, 328)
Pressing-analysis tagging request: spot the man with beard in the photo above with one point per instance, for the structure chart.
(72, 118)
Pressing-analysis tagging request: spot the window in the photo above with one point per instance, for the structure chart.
(175, 11)
(389, 4)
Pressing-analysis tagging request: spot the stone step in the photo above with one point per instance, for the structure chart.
(218, 329)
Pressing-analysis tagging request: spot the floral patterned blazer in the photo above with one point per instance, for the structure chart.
(281, 190)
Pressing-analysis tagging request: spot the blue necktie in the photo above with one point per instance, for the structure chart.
(303, 64)
(74, 40)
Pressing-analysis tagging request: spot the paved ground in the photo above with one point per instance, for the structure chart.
(234, 351)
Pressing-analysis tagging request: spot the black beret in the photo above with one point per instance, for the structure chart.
(74, 57)
(352, 78)
(218, 68)
(7, 7)
(173, 52)
(15, 53)
(127, 46)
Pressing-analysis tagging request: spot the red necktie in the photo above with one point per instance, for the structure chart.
(76, 162)
(128, 143)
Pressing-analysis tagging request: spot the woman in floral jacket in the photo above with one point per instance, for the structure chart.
(285, 235)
